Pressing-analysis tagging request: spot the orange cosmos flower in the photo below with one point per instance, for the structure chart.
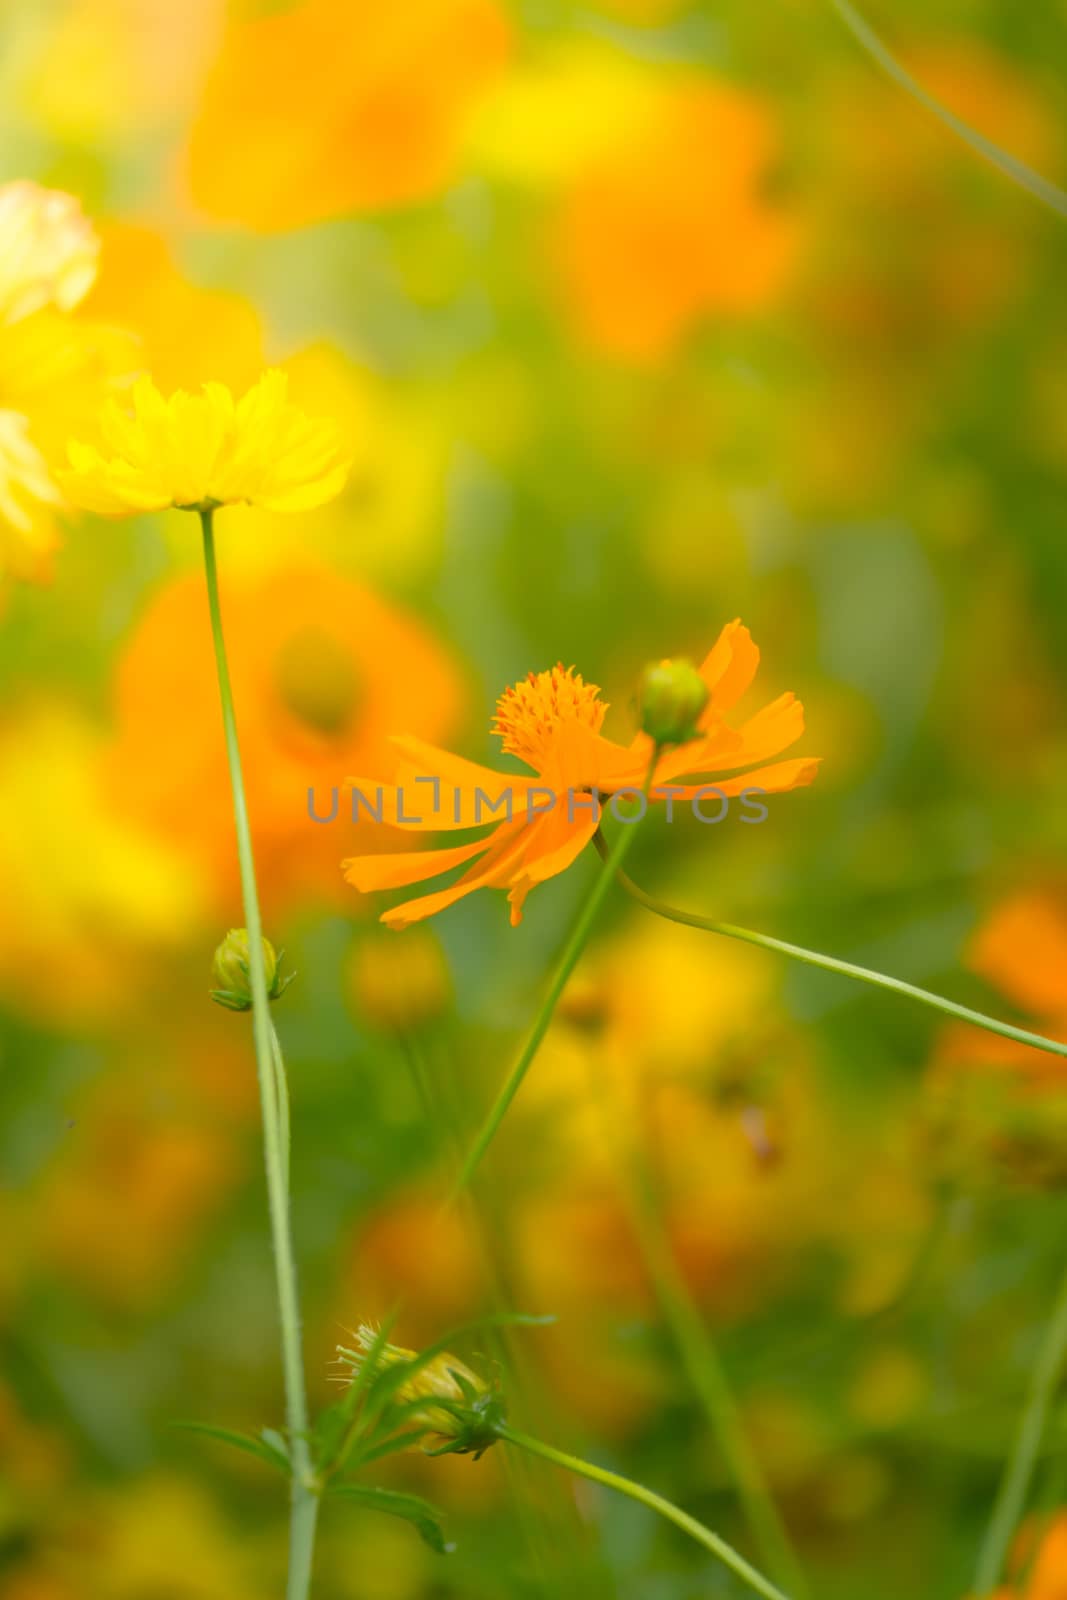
(321, 666)
(552, 721)
(324, 109)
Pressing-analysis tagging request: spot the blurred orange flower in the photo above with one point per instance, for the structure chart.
(322, 670)
(325, 109)
(995, 1100)
(675, 227)
(140, 1172)
(1047, 1579)
(552, 721)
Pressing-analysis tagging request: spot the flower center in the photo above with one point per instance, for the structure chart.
(317, 680)
(529, 714)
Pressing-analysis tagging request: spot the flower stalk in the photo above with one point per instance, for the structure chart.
(719, 1548)
(614, 857)
(274, 1107)
(1019, 1467)
(847, 969)
(711, 1385)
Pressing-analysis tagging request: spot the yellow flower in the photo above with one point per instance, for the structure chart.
(28, 500)
(200, 451)
(49, 254)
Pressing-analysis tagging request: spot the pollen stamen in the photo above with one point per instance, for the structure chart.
(529, 714)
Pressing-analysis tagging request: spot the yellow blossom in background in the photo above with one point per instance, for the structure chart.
(90, 902)
(109, 70)
(389, 525)
(196, 452)
(53, 367)
(28, 499)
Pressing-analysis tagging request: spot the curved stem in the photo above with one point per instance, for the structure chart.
(655, 1502)
(304, 1499)
(847, 969)
(1018, 1471)
(614, 857)
(1009, 165)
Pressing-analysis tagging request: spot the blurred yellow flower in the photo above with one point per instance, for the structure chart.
(49, 250)
(197, 452)
(52, 366)
(76, 938)
(28, 499)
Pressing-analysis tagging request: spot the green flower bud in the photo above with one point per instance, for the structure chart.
(231, 972)
(673, 694)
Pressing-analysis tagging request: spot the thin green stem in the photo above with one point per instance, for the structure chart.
(847, 969)
(614, 857)
(1037, 186)
(304, 1497)
(281, 1095)
(712, 1387)
(1019, 1469)
(655, 1502)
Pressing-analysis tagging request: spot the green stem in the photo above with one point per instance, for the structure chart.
(281, 1095)
(712, 1387)
(846, 969)
(1009, 165)
(304, 1498)
(614, 858)
(655, 1502)
(1019, 1469)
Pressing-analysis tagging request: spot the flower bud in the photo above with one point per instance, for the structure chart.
(462, 1413)
(673, 694)
(231, 972)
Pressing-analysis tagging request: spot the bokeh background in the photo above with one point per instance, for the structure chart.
(639, 315)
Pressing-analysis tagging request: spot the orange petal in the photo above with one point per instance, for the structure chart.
(370, 873)
(775, 728)
(559, 842)
(728, 668)
(491, 872)
(775, 779)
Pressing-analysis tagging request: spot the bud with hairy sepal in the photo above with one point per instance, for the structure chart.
(232, 973)
(459, 1412)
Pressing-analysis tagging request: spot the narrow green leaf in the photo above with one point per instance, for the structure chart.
(424, 1518)
(269, 1447)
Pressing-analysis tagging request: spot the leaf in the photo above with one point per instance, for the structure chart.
(269, 1447)
(424, 1518)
